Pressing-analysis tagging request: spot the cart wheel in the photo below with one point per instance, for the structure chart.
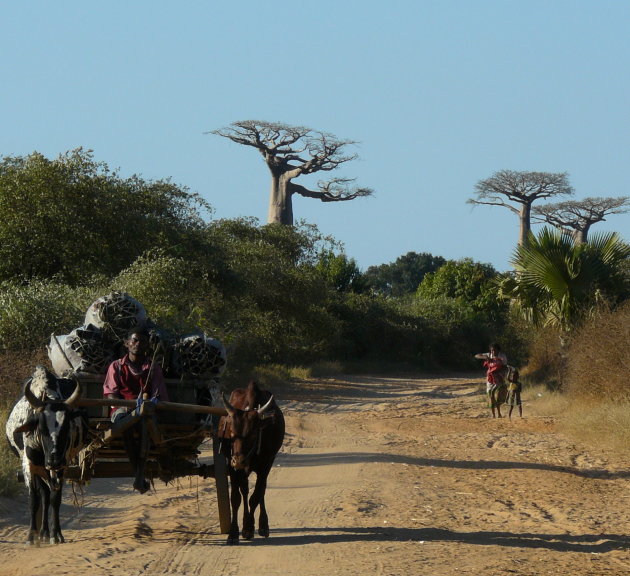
(222, 486)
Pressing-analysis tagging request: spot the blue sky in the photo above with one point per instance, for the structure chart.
(439, 94)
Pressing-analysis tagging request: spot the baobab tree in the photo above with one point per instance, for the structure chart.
(293, 151)
(576, 217)
(517, 191)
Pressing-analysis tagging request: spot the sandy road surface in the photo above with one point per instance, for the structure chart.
(378, 476)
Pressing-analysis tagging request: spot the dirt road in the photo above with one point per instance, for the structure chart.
(378, 476)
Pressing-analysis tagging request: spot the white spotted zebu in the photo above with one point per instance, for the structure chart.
(46, 431)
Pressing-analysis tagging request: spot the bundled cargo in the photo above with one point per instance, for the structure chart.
(116, 314)
(108, 322)
(199, 355)
(85, 349)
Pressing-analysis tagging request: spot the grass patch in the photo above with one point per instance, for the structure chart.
(275, 376)
(595, 423)
(599, 424)
(544, 401)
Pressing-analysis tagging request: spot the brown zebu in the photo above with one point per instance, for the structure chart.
(255, 427)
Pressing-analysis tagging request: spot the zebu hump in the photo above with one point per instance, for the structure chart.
(21, 412)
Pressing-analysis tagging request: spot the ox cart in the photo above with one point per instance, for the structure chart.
(174, 434)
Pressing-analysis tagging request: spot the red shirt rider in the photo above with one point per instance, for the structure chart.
(135, 374)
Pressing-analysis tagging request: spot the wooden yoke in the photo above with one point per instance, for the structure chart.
(169, 406)
(145, 414)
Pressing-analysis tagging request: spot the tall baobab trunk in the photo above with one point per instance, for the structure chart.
(525, 220)
(280, 201)
(581, 234)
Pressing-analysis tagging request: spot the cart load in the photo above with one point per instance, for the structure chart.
(178, 437)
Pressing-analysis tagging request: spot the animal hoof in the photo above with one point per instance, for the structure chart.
(232, 541)
(247, 534)
(142, 487)
(264, 532)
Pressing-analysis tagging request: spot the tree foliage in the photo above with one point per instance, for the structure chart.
(559, 282)
(460, 300)
(577, 216)
(463, 280)
(71, 217)
(402, 276)
(341, 273)
(517, 191)
(271, 293)
(272, 301)
(30, 313)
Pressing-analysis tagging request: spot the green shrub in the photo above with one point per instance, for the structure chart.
(175, 292)
(30, 313)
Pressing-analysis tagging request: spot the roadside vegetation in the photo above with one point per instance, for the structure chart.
(288, 302)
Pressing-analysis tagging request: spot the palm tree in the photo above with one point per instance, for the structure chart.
(559, 282)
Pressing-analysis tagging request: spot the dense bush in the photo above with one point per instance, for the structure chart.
(458, 330)
(30, 313)
(468, 282)
(15, 368)
(257, 289)
(460, 301)
(272, 294)
(598, 361)
(546, 362)
(72, 216)
(374, 329)
(402, 277)
(176, 293)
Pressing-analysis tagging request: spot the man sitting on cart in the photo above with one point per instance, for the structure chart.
(130, 378)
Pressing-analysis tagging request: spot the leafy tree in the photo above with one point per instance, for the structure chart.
(255, 288)
(72, 217)
(375, 329)
(177, 292)
(273, 300)
(403, 276)
(460, 300)
(559, 282)
(464, 280)
(577, 216)
(293, 151)
(517, 191)
(341, 272)
(30, 313)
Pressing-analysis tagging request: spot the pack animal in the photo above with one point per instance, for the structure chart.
(46, 431)
(255, 429)
(497, 396)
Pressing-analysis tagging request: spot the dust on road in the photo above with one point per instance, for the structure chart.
(385, 476)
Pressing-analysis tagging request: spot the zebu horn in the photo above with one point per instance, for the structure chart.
(264, 408)
(33, 400)
(76, 394)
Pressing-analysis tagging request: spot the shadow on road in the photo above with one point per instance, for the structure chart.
(585, 543)
(297, 460)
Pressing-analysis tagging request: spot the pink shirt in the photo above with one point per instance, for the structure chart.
(124, 381)
(495, 368)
